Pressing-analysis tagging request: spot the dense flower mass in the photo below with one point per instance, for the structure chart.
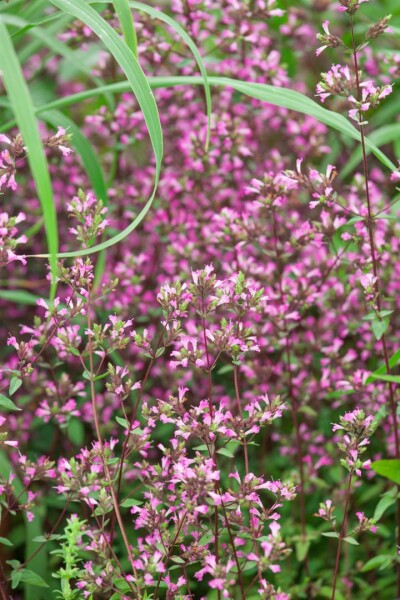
(199, 389)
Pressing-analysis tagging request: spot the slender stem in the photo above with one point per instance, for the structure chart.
(239, 407)
(124, 452)
(293, 402)
(170, 550)
(213, 454)
(341, 536)
(370, 222)
(100, 440)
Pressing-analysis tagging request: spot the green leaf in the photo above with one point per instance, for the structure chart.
(42, 539)
(226, 452)
(19, 297)
(379, 327)
(24, 112)
(5, 542)
(388, 468)
(15, 384)
(308, 410)
(7, 403)
(382, 562)
(129, 502)
(302, 548)
(206, 539)
(16, 577)
(122, 422)
(351, 540)
(127, 24)
(384, 503)
(393, 362)
(32, 578)
(389, 378)
(331, 534)
(381, 136)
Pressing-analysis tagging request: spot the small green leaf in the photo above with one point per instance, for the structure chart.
(379, 327)
(206, 539)
(178, 560)
(122, 422)
(332, 534)
(32, 578)
(351, 540)
(388, 468)
(384, 503)
(5, 542)
(16, 577)
(302, 548)
(7, 403)
(129, 502)
(393, 362)
(46, 538)
(307, 410)
(15, 384)
(225, 452)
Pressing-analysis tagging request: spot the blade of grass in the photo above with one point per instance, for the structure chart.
(19, 297)
(53, 43)
(125, 17)
(157, 14)
(49, 39)
(384, 135)
(137, 83)
(290, 99)
(24, 112)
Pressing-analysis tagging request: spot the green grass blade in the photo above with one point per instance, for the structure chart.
(24, 111)
(384, 135)
(48, 37)
(137, 83)
(125, 17)
(157, 14)
(128, 63)
(272, 95)
(51, 42)
(19, 297)
(279, 97)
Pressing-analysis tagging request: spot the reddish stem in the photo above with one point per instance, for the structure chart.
(370, 221)
(341, 536)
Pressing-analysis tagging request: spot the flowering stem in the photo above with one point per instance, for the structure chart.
(133, 416)
(213, 454)
(295, 420)
(392, 401)
(100, 440)
(341, 536)
(171, 549)
(245, 450)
